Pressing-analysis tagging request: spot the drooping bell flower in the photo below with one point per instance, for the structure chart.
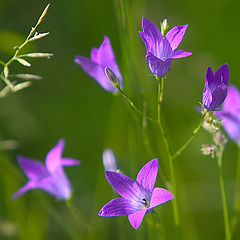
(49, 178)
(101, 58)
(230, 114)
(137, 198)
(162, 49)
(215, 90)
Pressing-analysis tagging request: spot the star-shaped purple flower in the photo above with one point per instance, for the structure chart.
(100, 59)
(50, 178)
(161, 50)
(230, 114)
(215, 90)
(138, 198)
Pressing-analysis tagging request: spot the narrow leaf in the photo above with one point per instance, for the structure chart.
(38, 36)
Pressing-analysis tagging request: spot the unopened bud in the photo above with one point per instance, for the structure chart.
(16, 47)
(164, 27)
(111, 76)
(37, 55)
(43, 14)
(109, 160)
(208, 149)
(38, 36)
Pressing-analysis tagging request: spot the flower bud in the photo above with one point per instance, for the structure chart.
(109, 160)
(111, 76)
(164, 27)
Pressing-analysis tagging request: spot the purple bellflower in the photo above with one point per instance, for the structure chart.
(50, 178)
(230, 114)
(138, 198)
(215, 90)
(160, 49)
(100, 59)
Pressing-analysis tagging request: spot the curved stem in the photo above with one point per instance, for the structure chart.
(236, 207)
(224, 198)
(133, 106)
(171, 165)
(195, 131)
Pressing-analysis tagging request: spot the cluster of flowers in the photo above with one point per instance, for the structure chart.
(137, 197)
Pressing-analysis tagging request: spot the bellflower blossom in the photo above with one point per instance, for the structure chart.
(230, 114)
(138, 198)
(51, 177)
(100, 59)
(161, 50)
(215, 90)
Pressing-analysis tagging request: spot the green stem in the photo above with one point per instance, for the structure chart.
(171, 165)
(195, 131)
(133, 106)
(236, 207)
(224, 198)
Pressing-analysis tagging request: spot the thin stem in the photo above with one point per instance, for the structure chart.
(195, 131)
(224, 198)
(236, 207)
(133, 106)
(171, 165)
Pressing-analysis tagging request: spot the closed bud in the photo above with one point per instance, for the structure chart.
(23, 62)
(37, 55)
(109, 160)
(164, 27)
(38, 36)
(43, 14)
(112, 77)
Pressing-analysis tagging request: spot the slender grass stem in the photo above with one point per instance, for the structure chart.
(195, 131)
(224, 198)
(236, 207)
(171, 165)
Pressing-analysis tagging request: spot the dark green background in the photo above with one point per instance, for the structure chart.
(68, 104)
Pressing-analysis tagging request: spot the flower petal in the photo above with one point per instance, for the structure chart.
(222, 75)
(69, 162)
(124, 185)
(148, 174)
(175, 36)
(147, 40)
(218, 96)
(57, 184)
(160, 68)
(53, 158)
(180, 54)
(231, 124)
(33, 169)
(160, 196)
(136, 218)
(22, 190)
(96, 71)
(106, 58)
(151, 30)
(117, 207)
(209, 77)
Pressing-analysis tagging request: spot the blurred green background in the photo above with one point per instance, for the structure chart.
(68, 104)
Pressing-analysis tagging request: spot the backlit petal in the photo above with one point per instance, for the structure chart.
(148, 174)
(117, 207)
(124, 185)
(175, 36)
(160, 196)
(136, 218)
(180, 54)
